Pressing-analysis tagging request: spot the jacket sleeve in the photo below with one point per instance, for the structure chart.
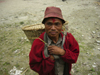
(37, 61)
(72, 49)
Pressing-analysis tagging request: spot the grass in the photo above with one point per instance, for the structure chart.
(3, 38)
(17, 65)
(6, 63)
(98, 72)
(92, 69)
(98, 56)
(21, 23)
(4, 72)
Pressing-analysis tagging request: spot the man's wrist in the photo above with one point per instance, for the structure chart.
(62, 52)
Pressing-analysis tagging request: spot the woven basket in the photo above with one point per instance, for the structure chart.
(33, 31)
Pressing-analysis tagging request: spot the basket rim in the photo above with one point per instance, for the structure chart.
(24, 27)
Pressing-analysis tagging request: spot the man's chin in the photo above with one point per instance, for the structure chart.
(53, 36)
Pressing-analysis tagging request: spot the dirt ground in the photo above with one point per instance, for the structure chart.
(84, 23)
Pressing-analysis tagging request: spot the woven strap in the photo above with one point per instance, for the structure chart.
(63, 41)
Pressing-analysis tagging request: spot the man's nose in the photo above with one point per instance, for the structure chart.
(53, 27)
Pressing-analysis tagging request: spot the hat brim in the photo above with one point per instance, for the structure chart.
(51, 16)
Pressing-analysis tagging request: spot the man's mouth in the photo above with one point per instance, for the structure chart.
(52, 33)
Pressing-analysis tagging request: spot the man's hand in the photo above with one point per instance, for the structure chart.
(56, 50)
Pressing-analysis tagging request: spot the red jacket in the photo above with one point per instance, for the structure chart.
(44, 65)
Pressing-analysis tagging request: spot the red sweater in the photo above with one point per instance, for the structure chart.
(44, 65)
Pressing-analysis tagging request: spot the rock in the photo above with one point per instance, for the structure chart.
(22, 38)
(89, 37)
(92, 35)
(82, 35)
(94, 66)
(94, 63)
(27, 40)
(22, 68)
(89, 74)
(16, 51)
(98, 36)
(23, 18)
(2, 19)
(44, 4)
(14, 71)
(16, 17)
(99, 49)
(87, 52)
(43, 10)
(97, 41)
(73, 70)
(97, 28)
(59, 6)
(93, 32)
(95, 23)
(84, 64)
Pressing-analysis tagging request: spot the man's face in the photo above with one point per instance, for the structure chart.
(53, 27)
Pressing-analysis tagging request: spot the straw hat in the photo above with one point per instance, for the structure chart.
(53, 12)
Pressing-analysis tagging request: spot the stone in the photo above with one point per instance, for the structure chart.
(93, 32)
(82, 35)
(15, 71)
(93, 65)
(99, 49)
(97, 41)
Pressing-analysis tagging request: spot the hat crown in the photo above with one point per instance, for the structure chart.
(53, 10)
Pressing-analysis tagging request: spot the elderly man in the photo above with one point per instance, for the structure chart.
(57, 57)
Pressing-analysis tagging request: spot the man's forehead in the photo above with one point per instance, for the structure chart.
(54, 20)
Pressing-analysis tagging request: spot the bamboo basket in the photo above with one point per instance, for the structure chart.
(33, 31)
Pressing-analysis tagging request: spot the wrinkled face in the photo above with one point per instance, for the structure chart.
(53, 27)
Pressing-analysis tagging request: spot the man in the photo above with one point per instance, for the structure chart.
(61, 51)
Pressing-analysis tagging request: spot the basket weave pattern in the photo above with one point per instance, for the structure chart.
(33, 31)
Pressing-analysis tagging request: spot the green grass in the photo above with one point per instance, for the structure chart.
(21, 23)
(92, 69)
(6, 63)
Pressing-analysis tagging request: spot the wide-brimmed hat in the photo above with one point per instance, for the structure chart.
(53, 12)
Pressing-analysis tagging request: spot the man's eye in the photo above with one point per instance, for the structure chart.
(49, 24)
(57, 24)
